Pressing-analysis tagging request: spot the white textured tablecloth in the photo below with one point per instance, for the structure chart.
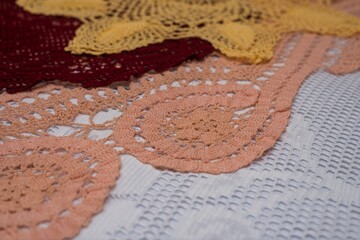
(306, 187)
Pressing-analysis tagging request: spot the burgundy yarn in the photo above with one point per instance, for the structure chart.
(32, 50)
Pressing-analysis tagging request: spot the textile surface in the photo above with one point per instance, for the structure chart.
(50, 187)
(177, 133)
(213, 116)
(247, 30)
(307, 186)
(312, 171)
(32, 51)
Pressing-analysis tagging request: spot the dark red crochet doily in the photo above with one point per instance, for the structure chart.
(32, 50)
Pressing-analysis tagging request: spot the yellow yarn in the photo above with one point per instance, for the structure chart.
(244, 29)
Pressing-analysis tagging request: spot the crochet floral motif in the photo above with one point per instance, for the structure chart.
(34, 52)
(50, 187)
(213, 116)
(247, 30)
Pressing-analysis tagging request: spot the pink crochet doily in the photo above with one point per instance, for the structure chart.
(32, 51)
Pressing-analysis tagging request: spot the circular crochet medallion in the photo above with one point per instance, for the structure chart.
(188, 129)
(216, 116)
(50, 187)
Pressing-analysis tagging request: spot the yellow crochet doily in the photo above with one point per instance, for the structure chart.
(244, 29)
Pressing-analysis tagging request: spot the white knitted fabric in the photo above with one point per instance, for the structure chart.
(306, 187)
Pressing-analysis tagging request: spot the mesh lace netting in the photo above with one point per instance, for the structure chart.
(244, 29)
(32, 50)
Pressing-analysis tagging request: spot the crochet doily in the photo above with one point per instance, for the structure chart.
(247, 30)
(214, 116)
(32, 50)
(50, 187)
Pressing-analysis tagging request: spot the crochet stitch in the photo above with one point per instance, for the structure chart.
(50, 187)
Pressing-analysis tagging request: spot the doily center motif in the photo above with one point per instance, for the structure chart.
(202, 126)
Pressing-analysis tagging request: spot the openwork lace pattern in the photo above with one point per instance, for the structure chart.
(50, 187)
(32, 51)
(214, 116)
(247, 30)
